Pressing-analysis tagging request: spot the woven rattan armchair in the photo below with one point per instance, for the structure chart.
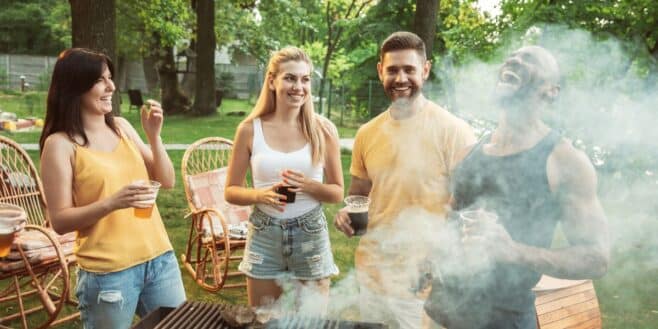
(34, 278)
(217, 229)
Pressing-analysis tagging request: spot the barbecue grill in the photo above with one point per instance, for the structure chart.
(212, 316)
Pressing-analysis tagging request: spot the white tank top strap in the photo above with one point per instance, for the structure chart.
(258, 144)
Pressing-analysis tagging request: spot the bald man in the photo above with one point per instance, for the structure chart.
(531, 178)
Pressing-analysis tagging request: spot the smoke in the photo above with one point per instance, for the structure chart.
(608, 108)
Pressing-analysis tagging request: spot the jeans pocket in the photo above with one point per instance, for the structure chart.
(314, 225)
(258, 222)
(81, 288)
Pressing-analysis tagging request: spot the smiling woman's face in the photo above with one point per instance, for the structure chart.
(98, 99)
(292, 84)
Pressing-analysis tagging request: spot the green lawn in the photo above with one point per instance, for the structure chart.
(626, 294)
(179, 129)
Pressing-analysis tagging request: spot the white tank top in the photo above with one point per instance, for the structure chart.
(267, 164)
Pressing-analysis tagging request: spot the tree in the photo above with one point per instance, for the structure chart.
(633, 21)
(338, 14)
(204, 100)
(425, 23)
(38, 27)
(165, 22)
(93, 26)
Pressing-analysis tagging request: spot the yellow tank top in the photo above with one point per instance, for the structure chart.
(119, 240)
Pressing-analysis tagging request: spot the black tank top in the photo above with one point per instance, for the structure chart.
(516, 188)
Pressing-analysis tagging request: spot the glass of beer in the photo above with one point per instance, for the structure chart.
(285, 190)
(12, 220)
(357, 209)
(145, 207)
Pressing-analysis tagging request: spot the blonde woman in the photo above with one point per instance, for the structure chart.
(286, 145)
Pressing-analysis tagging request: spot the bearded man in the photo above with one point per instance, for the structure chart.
(531, 178)
(401, 160)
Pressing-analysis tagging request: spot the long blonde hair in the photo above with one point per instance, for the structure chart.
(307, 118)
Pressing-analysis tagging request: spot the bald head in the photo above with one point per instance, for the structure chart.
(547, 66)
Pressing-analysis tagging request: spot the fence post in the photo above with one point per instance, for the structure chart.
(329, 100)
(369, 97)
(321, 94)
(342, 108)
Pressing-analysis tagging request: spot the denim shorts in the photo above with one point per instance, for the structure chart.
(297, 248)
(110, 300)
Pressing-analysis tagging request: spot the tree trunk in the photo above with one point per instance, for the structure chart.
(93, 26)
(189, 77)
(173, 98)
(204, 99)
(425, 23)
(149, 63)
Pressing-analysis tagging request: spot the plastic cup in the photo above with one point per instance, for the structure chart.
(145, 208)
(357, 210)
(12, 219)
(472, 217)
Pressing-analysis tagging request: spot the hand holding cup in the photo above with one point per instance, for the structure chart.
(144, 208)
(357, 210)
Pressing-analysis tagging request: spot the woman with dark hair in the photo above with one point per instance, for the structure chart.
(94, 167)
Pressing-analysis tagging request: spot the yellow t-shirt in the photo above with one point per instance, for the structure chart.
(408, 162)
(119, 240)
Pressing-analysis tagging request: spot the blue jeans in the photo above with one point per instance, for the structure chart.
(110, 300)
(298, 248)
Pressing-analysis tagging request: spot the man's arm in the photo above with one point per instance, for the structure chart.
(571, 174)
(360, 186)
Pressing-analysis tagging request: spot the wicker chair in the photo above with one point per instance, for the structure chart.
(217, 228)
(34, 282)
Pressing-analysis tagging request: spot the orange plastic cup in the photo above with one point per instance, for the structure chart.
(12, 220)
(145, 209)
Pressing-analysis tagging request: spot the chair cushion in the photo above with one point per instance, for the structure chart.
(207, 191)
(38, 249)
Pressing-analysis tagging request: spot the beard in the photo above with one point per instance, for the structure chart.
(414, 91)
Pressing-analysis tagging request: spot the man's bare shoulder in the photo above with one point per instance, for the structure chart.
(573, 167)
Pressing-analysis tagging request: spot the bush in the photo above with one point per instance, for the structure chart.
(225, 83)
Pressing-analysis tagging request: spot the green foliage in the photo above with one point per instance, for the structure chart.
(143, 27)
(271, 25)
(635, 22)
(33, 27)
(170, 20)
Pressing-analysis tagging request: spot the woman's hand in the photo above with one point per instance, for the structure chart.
(297, 180)
(132, 195)
(152, 118)
(268, 196)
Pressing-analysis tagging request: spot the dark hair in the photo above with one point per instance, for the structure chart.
(402, 40)
(76, 71)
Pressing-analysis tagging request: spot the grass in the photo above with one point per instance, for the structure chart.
(179, 129)
(626, 294)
